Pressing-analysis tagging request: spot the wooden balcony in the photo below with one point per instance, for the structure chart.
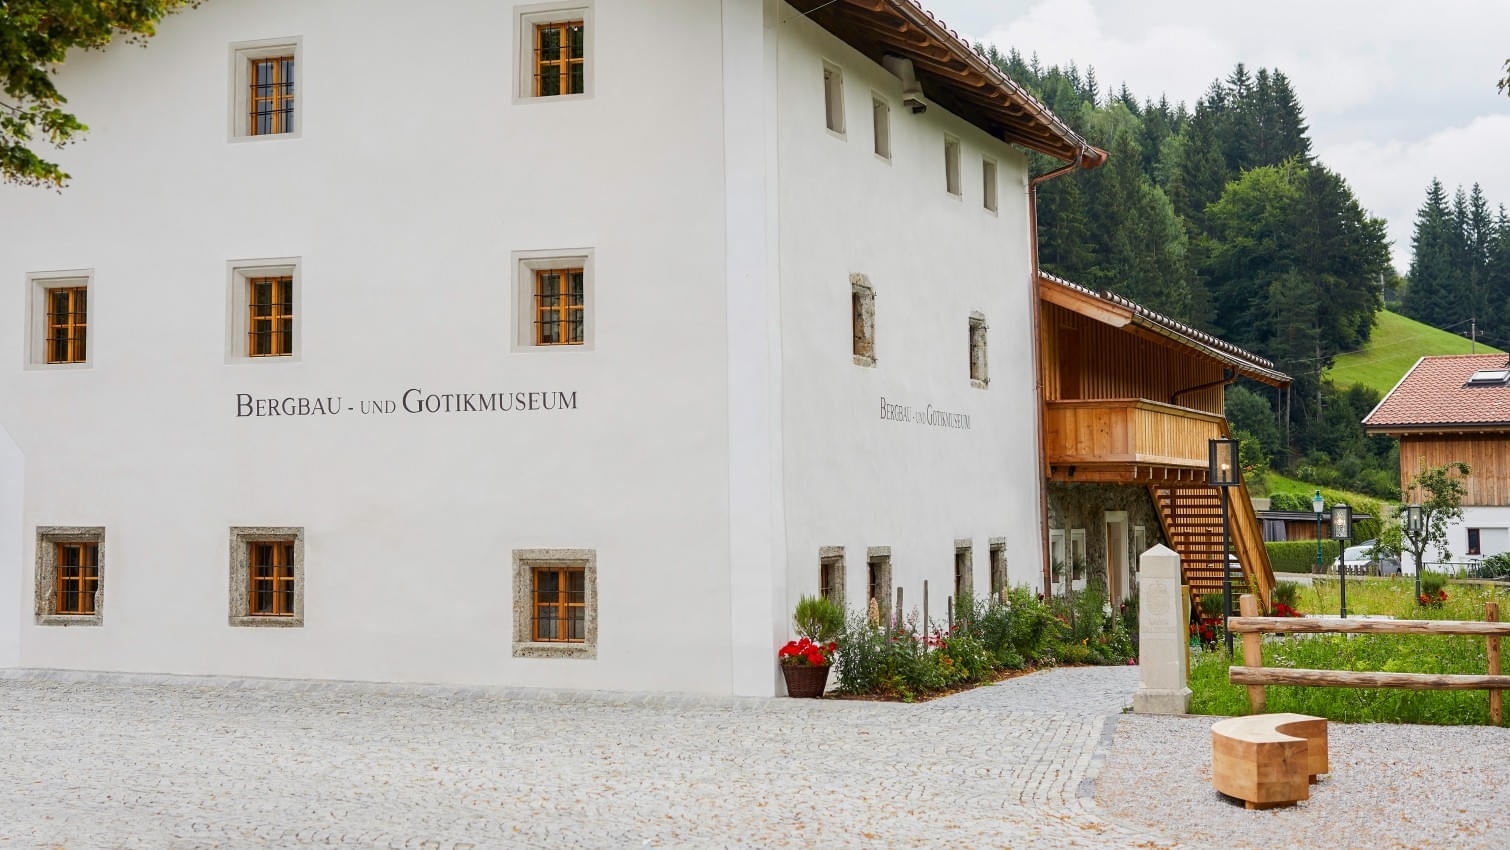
(1128, 440)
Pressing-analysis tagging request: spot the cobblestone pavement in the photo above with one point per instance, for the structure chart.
(163, 763)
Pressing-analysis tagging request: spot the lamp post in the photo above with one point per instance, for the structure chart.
(1342, 530)
(1318, 505)
(1415, 526)
(1223, 475)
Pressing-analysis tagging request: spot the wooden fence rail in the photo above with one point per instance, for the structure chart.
(1255, 676)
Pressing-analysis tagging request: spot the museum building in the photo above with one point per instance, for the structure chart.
(553, 358)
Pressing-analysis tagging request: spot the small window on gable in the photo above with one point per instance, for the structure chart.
(988, 184)
(266, 79)
(951, 165)
(862, 314)
(979, 377)
(833, 98)
(880, 112)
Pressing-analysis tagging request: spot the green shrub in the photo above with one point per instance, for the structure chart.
(1289, 502)
(1299, 556)
(818, 619)
(1432, 583)
(1287, 592)
(1492, 567)
(1211, 604)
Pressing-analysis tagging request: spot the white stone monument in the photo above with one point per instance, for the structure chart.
(1163, 635)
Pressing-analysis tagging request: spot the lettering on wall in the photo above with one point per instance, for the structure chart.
(413, 400)
(926, 415)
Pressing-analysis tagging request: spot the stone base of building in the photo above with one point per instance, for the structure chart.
(1161, 701)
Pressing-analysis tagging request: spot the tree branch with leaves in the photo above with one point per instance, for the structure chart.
(35, 37)
(1440, 491)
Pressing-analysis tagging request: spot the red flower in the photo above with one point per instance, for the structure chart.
(832, 646)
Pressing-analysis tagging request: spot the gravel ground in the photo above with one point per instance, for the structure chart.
(1391, 786)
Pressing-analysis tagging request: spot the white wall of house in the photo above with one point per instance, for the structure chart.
(12, 592)
(853, 478)
(414, 177)
(1493, 523)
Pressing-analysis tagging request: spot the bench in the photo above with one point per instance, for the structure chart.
(1268, 760)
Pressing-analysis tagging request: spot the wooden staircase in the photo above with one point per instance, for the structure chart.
(1191, 515)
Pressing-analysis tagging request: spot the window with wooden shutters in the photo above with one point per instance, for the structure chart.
(270, 320)
(560, 306)
(271, 573)
(67, 324)
(78, 572)
(271, 96)
(560, 58)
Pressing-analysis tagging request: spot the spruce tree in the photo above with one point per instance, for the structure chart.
(1431, 264)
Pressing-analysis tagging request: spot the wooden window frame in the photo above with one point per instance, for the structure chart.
(878, 577)
(280, 96)
(566, 316)
(831, 574)
(79, 586)
(563, 62)
(964, 567)
(1475, 541)
(280, 342)
(281, 590)
(562, 611)
(529, 564)
(73, 329)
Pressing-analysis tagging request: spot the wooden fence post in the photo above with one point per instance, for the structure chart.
(1496, 697)
(1253, 653)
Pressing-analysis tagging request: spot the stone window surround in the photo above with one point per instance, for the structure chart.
(241, 580)
(832, 555)
(833, 99)
(525, 264)
(239, 274)
(47, 573)
(242, 53)
(965, 546)
(37, 284)
(980, 376)
(880, 121)
(859, 285)
(525, 19)
(525, 560)
(879, 558)
(1000, 579)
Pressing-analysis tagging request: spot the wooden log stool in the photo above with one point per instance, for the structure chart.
(1268, 760)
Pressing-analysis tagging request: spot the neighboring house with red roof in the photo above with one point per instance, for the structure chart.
(1457, 408)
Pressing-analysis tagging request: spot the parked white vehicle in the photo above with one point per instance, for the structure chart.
(1360, 561)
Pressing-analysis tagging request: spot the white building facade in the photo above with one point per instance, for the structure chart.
(558, 345)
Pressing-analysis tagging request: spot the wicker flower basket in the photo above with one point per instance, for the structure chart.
(804, 680)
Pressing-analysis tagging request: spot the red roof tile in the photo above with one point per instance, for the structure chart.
(1433, 393)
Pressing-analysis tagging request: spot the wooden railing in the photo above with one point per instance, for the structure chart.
(1128, 431)
(1248, 538)
(1256, 676)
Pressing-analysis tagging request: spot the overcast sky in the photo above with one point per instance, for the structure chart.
(1395, 92)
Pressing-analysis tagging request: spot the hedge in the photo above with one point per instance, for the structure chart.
(1299, 556)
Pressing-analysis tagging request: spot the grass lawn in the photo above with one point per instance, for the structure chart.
(1395, 346)
(1212, 694)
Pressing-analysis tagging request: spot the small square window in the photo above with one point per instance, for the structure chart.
(263, 322)
(988, 184)
(70, 579)
(265, 88)
(880, 112)
(267, 576)
(862, 316)
(878, 579)
(555, 51)
(555, 603)
(951, 165)
(58, 320)
(831, 574)
(979, 378)
(964, 567)
(999, 581)
(554, 294)
(833, 98)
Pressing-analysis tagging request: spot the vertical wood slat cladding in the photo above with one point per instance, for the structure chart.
(1086, 359)
(1127, 431)
(1487, 455)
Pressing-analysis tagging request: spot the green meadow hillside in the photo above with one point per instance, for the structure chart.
(1395, 346)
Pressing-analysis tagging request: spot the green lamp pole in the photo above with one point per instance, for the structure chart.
(1318, 505)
